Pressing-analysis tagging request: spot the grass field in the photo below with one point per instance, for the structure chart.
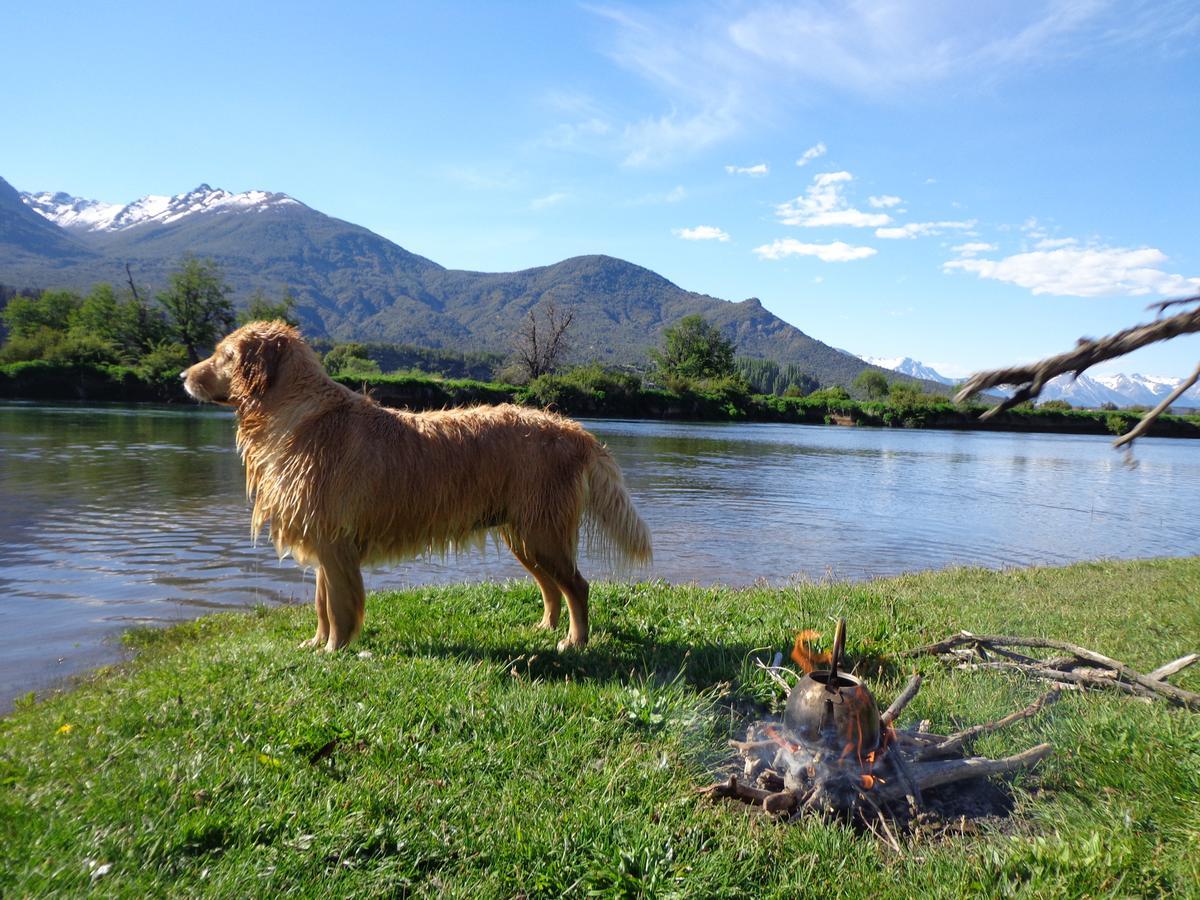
(453, 752)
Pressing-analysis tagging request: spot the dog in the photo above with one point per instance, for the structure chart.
(342, 481)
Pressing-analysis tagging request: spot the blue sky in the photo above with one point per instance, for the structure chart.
(968, 184)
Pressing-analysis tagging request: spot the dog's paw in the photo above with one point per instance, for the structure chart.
(569, 643)
(312, 643)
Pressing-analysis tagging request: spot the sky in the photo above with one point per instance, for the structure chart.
(969, 184)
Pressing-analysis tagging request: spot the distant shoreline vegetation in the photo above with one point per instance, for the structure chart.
(105, 346)
(592, 391)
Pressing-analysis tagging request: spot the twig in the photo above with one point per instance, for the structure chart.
(1062, 679)
(1162, 673)
(905, 697)
(955, 741)
(933, 774)
(1177, 695)
(1148, 419)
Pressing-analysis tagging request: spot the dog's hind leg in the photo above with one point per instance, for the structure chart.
(551, 593)
(562, 569)
(345, 599)
(321, 601)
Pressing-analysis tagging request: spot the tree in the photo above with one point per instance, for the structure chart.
(260, 309)
(198, 304)
(872, 383)
(543, 340)
(350, 359)
(694, 348)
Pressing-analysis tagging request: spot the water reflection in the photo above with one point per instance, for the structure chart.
(115, 515)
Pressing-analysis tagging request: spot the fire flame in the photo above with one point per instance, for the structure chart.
(808, 657)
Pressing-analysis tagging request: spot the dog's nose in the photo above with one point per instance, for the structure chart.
(183, 375)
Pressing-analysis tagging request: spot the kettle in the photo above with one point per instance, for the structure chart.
(832, 709)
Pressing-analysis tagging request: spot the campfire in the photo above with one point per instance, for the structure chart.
(834, 752)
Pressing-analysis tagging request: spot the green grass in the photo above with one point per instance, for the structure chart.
(463, 756)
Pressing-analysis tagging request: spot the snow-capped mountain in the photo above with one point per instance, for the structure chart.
(1085, 391)
(79, 214)
(906, 365)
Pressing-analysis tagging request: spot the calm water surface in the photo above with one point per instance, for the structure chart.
(112, 516)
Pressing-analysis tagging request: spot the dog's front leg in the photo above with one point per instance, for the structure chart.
(345, 599)
(321, 601)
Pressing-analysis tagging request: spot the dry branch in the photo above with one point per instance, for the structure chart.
(1162, 673)
(933, 774)
(1118, 676)
(902, 700)
(955, 741)
(1031, 379)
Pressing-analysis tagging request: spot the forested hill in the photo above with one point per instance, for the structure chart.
(353, 284)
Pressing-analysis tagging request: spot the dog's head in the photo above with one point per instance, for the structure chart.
(244, 366)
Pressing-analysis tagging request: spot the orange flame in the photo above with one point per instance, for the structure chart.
(808, 657)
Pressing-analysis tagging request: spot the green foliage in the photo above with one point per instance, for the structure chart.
(765, 376)
(260, 309)
(1060, 405)
(25, 317)
(872, 384)
(350, 359)
(198, 305)
(694, 348)
(162, 365)
(1119, 422)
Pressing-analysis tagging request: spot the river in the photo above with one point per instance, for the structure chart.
(112, 516)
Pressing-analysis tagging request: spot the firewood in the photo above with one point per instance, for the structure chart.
(955, 741)
(933, 774)
(1162, 673)
(902, 700)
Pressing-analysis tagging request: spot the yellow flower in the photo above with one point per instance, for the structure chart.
(65, 729)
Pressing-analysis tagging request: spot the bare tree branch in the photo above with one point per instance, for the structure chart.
(1031, 379)
(543, 340)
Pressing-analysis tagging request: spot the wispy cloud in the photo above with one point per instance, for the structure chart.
(756, 170)
(824, 204)
(922, 229)
(701, 233)
(1083, 272)
(715, 69)
(814, 152)
(973, 248)
(838, 251)
(548, 200)
(886, 201)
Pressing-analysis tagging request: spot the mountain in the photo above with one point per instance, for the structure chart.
(906, 365)
(28, 239)
(351, 283)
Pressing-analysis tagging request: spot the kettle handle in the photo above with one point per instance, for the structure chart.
(839, 643)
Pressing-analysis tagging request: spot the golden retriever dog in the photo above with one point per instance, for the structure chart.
(342, 481)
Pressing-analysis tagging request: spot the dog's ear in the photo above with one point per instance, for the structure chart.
(259, 356)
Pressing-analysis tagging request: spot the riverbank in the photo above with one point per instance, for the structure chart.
(454, 752)
(593, 393)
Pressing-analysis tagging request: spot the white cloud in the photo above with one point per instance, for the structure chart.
(655, 141)
(549, 200)
(677, 194)
(824, 204)
(838, 251)
(701, 233)
(814, 152)
(884, 202)
(1083, 272)
(1055, 243)
(760, 169)
(973, 247)
(922, 229)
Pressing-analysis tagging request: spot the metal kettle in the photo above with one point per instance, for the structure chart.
(829, 708)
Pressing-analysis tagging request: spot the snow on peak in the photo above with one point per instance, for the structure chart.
(79, 214)
(906, 365)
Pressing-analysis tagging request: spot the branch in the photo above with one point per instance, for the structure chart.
(932, 774)
(902, 700)
(955, 741)
(1148, 419)
(1029, 380)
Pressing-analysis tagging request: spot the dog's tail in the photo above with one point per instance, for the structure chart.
(615, 531)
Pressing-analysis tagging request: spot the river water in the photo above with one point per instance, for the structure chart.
(112, 516)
